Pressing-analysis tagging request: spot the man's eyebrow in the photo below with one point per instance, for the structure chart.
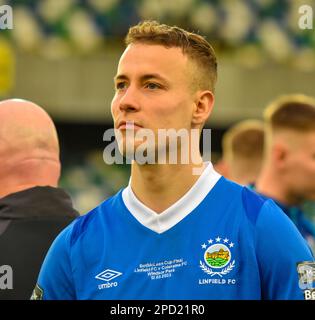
(142, 78)
(153, 76)
(120, 77)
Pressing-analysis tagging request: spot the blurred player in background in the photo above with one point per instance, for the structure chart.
(33, 210)
(242, 152)
(172, 234)
(288, 174)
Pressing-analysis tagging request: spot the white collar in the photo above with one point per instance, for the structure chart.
(161, 222)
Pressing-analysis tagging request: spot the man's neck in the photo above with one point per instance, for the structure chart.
(160, 186)
(271, 185)
(21, 187)
(31, 172)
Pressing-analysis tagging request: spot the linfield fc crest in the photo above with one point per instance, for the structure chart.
(217, 256)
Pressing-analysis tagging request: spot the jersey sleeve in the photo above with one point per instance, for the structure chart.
(280, 247)
(55, 280)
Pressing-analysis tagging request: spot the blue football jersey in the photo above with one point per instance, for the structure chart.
(304, 224)
(220, 241)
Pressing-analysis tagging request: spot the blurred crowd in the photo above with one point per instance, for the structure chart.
(250, 31)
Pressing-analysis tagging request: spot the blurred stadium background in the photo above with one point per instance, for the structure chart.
(62, 54)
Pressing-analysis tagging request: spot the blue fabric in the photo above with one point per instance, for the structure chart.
(303, 224)
(234, 245)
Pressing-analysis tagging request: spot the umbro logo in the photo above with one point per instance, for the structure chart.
(108, 275)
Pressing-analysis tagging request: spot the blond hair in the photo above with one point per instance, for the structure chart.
(294, 112)
(193, 45)
(244, 140)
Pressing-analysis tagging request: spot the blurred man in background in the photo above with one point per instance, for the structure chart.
(288, 174)
(242, 152)
(33, 210)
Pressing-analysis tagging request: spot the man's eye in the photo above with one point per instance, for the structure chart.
(120, 85)
(152, 85)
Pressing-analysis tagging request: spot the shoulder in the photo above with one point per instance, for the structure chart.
(275, 230)
(251, 202)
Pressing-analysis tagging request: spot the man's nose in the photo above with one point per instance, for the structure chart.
(129, 100)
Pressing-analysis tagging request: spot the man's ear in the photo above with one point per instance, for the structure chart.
(279, 154)
(203, 107)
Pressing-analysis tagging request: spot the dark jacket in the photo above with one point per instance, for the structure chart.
(29, 221)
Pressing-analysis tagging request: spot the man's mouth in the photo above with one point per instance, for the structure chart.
(128, 125)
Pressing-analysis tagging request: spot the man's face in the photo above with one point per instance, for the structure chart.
(153, 90)
(300, 166)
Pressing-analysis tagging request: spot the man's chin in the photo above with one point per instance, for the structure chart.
(140, 154)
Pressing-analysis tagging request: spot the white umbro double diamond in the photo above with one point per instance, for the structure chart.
(108, 275)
